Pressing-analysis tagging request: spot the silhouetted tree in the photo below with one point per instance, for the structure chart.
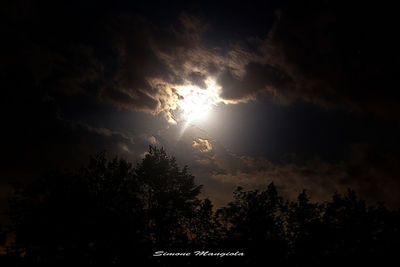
(117, 211)
(204, 228)
(169, 195)
(304, 230)
(254, 220)
(343, 231)
(85, 216)
(350, 232)
(111, 212)
(108, 212)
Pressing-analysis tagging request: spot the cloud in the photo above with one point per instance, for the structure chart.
(202, 145)
(374, 171)
(368, 169)
(336, 55)
(198, 78)
(257, 78)
(324, 53)
(152, 140)
(100, 131)
(332, 55)
(152, 61)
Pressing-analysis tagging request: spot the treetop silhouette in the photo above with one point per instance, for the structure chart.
(114, 212)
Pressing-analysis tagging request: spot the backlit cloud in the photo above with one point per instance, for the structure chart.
(203, 145)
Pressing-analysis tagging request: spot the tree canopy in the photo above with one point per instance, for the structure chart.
(112, 212)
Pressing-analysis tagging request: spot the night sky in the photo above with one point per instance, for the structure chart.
(301, 93)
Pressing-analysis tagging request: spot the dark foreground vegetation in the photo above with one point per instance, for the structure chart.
(112, 212)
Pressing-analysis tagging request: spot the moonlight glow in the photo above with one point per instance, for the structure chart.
(195, 103)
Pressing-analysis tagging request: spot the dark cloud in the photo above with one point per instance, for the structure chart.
(369, 169)
(115, 56)
(257, 78)
(333, 54)
(321, 52)
(339, 54)
(128, 99)
(374, 171)
(198, 78)
(137, 62)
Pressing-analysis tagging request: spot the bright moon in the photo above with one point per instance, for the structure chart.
(195, 103)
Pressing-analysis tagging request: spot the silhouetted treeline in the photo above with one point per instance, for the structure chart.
(112, 212)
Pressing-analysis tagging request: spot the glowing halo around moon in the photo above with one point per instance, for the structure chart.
(196, 103)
